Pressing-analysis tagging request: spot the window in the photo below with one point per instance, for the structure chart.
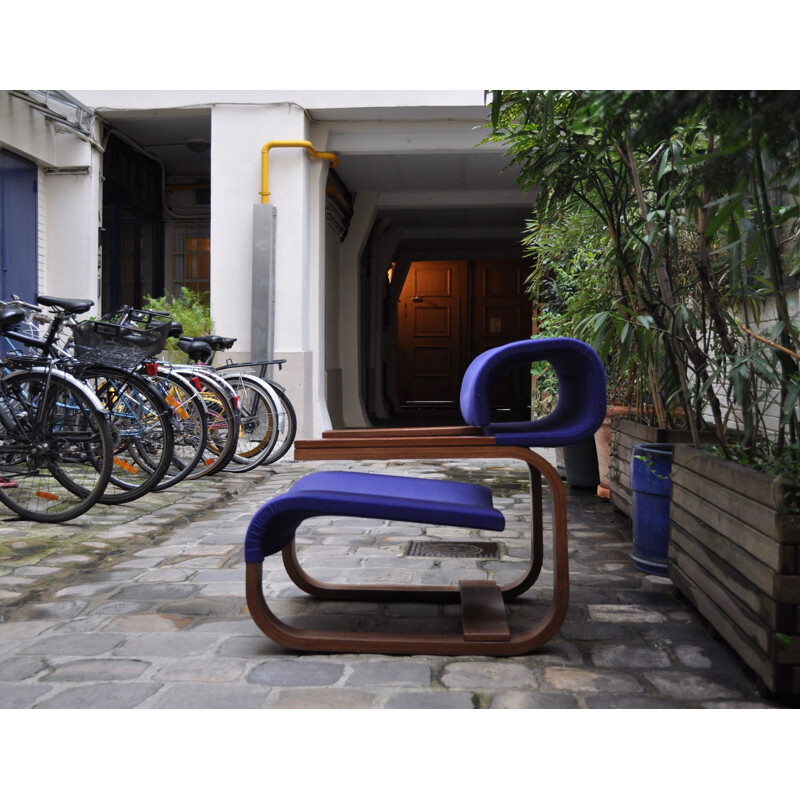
(197, 265)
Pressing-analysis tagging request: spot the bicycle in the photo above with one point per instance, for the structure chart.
(189, 414)
(286, 419)
(55, 436)
(228, 429)
(101, 356)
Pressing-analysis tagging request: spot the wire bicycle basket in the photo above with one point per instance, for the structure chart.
(111, 345)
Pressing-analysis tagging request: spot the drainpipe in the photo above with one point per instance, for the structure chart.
(263, 286)
(332, 157)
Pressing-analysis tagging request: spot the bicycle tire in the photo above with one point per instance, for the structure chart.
(223, 420)
(258, 422)
(189, 422)
(55, 446)
(142, 431)
(287, 424)
(286, 419)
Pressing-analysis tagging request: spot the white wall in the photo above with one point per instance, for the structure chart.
(296, 186)
(69, 197)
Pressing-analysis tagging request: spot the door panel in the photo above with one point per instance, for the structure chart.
(18, 222)
(431, 332)
(451, 311)
(502, 314)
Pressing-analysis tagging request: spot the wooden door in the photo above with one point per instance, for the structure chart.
(501, 313)
(432, 332)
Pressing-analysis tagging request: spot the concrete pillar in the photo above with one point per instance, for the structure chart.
(278, 251)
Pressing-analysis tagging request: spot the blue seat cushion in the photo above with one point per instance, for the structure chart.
(581, 402)
(372, 496)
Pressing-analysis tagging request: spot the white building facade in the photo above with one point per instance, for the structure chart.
(300, 212)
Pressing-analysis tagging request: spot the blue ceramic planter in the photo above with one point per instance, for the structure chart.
(651, 465)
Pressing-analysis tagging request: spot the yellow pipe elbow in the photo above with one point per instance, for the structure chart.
(309, 148)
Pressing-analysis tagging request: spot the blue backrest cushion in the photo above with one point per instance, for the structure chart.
(581, 403)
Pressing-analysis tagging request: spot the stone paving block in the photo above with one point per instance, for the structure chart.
(98, 670)
(145, 623)
(389, 673)
(425, 700)
(587, 681)
(119, 607)
(250, 647)
(211, 549)
(21, 695)
(491, 674)
(203, 607)
(629, 615)
(682, 685)
(284, 672)
(203, 670)
(21, 631)
(86, 590)
(532, 700)
(323, 698)
(167, 645)
(164, 575)
(236, 575)
(86, 624)
(155, 591)
(220, 589)
(79, 644)
(628, 656)
(631, 702)
(20, 668)
(101, 695)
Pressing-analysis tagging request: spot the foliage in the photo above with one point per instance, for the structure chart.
(188, 309)
(696, 194)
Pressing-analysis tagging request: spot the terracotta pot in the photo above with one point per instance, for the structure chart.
(602, 438)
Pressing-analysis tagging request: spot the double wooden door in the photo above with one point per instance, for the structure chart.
(450, 312)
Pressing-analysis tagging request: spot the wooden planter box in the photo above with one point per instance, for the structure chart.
(625, 433)
(735, 554)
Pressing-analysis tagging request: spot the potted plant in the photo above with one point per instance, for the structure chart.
(697, 193)
(190, 309)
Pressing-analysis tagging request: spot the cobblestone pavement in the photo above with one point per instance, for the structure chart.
(142, 606)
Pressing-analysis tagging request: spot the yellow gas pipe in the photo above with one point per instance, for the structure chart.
(332, 157)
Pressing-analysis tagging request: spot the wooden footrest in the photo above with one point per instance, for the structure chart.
(483, 612)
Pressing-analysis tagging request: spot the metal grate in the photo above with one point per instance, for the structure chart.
(453, 549)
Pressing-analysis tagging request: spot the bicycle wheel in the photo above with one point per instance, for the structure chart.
(286, 424)
(189, 422)
(55, 446)
(285, 421)
(258, 422)
(142, 431)
(222, 421)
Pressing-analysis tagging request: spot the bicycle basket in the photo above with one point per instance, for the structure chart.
(112, 345)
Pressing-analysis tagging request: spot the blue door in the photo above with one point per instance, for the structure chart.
(18, 260)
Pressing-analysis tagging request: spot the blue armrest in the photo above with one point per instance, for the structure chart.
(581, 404)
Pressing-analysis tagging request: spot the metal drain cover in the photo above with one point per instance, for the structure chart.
(453, 549)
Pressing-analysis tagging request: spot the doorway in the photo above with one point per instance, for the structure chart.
(133, 230)
(448, 313)
(18, 227)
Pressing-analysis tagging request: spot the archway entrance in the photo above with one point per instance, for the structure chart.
(448, 313)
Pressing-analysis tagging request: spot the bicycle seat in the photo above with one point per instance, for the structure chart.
(175, 330)
(216, 342)
(11, 316)
(70, 306)
(195, 349)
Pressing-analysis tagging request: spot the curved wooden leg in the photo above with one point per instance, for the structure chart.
(426, 594)
(435, 644)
